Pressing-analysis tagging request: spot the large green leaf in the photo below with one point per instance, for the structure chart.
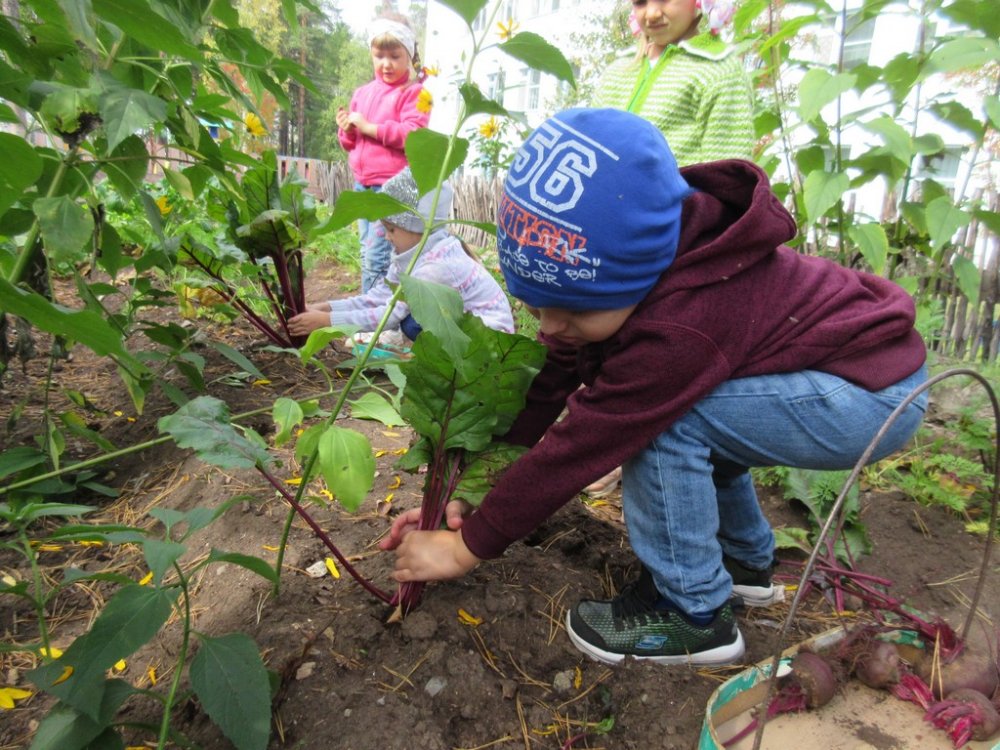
(898, 142)
(19, 168)
(203, 425)
(375, 406)
(83, 326)
(126, 111)
(821, 190)
(287, 415)
(964, 53)
(64, 728)
(439, 308)
(127, 166)
(476, 103)
(161, 554)
(254, 564)
(873, 244)
(347, 464)
(429, 158)
(131, 618)
(467, 9)
(944, 218)
(352, 205)
(138, 20)
(532, 49)
(818, 88)
(463, 403)
(969, 278)
(66, 226)
(482, 473)
(231, 683)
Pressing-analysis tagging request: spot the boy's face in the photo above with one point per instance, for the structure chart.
(580, 327)
(392, 63)
(401, 239)
(666, 21)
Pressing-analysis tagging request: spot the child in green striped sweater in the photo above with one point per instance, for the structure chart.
(690, 85)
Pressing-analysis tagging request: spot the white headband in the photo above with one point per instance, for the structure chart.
(398, 31)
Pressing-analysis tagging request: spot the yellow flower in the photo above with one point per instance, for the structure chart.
(490, 128)
(254, 125)
(424, 101)
(431, 70)
(10, 694)
(506, 30)
(466, 619)
(165, 208)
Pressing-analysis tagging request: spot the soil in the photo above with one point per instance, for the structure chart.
(436, 681)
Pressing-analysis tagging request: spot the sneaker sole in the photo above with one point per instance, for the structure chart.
(760, 596)
(719, 656)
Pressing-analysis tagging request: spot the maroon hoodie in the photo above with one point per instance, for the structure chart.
(736, 302)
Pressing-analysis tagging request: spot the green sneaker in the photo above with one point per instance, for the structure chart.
(755, 587)
(631, 625)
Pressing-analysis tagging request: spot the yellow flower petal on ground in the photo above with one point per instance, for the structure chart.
(50, 653)
(66, 674)
(49, 547)
(425, 100)
(294, 481)
(254, 125)
(119, 412)
(466, 619)
(91, 544)
(327, 494)
(10, 694)
(389, 497)
(8, 579)
(400, 451)
(260, 383)
(390, 434)
(151, 674)
(379, 454)
(332, 567)
(120, 666)
(577, 678)
(144, 581)
(397, 481)
(269, 548)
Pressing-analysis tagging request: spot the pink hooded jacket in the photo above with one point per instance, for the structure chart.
(393, 107)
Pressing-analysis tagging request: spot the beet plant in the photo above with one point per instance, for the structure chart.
(270, 221)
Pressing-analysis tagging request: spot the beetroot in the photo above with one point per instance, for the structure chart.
(878, 666)
(814, 677)
(971, 669)
(965, 715)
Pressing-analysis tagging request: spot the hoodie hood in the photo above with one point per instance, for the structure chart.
(730, 223)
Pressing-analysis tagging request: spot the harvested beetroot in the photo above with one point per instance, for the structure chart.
(972, 668)
(813, 680)
(965, 715)
(876, 663)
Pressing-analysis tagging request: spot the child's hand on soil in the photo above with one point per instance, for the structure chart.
(305, 323)
(432, 556)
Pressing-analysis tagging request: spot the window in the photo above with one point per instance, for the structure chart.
(941, 167)
(532, 85)
(857, 41)
(495, 86)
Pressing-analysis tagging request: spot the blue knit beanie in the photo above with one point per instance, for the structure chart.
(591, 211)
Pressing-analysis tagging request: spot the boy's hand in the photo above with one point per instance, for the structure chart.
(432, 556)
(305, 323)
(454, 514)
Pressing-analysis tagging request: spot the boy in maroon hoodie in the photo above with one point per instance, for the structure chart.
(704, 346)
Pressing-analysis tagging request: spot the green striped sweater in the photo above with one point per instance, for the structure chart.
(697, 94)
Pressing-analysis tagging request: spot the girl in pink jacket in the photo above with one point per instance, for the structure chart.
(373, 130)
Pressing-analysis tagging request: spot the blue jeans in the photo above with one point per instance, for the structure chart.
(376, 250)
(688, 497)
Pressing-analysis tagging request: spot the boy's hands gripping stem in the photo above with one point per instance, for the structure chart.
(430, 555)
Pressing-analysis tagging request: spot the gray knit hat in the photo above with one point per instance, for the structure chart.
(404, 189)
